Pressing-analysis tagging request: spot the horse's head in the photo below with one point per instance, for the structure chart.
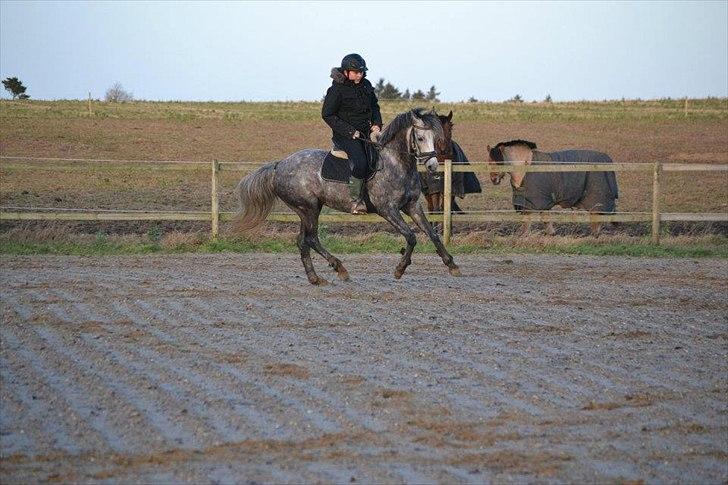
(425, 135)
(517, 152)
(444, 149)
(416, 132)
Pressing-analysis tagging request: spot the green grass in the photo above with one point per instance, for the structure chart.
(713, 247)
(184, 112)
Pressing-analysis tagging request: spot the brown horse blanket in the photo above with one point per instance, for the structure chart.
(593, 191)
(462, 182)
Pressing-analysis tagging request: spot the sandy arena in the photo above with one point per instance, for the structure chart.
(233, 369)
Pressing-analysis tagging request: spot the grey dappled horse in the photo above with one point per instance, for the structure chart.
(296, 180)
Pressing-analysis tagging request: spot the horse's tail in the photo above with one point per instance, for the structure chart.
(256, 195)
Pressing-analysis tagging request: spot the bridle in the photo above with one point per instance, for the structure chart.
(418, 155)
(413, 149)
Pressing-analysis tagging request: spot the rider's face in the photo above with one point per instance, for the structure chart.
(354, 76)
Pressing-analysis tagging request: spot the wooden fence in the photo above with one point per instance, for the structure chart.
(215, 216)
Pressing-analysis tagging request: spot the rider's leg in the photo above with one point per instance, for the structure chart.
(358, 158)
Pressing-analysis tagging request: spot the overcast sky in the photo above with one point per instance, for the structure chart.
(285, 50)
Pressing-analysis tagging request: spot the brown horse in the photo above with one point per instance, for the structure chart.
(462, 183)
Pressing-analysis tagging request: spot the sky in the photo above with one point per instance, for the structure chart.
(257, 51)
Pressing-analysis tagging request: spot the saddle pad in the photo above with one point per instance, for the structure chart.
(335, 169)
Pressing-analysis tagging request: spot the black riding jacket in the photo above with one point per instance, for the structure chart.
(349, 107)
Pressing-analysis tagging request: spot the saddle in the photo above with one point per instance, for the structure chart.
(336, 167)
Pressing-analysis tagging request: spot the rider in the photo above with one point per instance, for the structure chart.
(351, 110)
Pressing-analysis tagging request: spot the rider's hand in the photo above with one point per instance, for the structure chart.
(374, 135)
(356, 135)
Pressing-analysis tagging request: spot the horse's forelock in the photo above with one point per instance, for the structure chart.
(431, 121)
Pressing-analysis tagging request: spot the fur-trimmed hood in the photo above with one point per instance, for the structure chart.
(337, 75)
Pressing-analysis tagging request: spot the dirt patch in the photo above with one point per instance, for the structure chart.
(287, 370)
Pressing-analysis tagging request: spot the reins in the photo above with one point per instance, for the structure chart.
(417, 155)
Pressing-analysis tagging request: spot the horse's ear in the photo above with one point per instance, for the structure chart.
(449, 116)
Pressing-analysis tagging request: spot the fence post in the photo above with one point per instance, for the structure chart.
(656, 172)
(447, 203)
(215, 201)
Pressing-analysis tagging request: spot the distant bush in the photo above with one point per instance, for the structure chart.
(117, 94)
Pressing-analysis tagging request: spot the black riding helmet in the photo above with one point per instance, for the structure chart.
(353, 62)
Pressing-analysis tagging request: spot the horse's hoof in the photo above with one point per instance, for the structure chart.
(455, 271)
(398, 274)
(319, 281)
(343, 275)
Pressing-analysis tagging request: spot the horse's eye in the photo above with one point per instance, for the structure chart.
(420, 138)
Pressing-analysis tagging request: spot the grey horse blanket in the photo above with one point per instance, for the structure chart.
(462, 182)
(592, 191)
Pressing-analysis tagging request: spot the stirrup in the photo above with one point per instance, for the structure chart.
(359, 208)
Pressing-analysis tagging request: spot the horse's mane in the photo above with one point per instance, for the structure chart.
(404, 120)
(511, 143)
(497, 155)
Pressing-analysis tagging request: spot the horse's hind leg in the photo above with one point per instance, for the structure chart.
(334, 262)
(417, 215)
(304, 243)
(307, 239)
(303, 246)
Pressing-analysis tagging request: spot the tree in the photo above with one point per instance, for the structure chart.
(516, 99)
(432, 94)
(379, 86)
(547, 99)
(418, 94)
(390, 92)
(406, 94)
(15, 87)
(117, 94)
(473, 99)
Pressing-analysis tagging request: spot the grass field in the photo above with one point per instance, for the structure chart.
(630, 131)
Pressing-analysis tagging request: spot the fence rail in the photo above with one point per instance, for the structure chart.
(215, 216)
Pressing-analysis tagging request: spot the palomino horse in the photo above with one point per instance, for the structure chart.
(297, 181)
(462, 182)
(595, 192)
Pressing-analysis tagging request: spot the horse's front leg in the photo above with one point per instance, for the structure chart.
(393, 216)
(417, 214)
(430, 198)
